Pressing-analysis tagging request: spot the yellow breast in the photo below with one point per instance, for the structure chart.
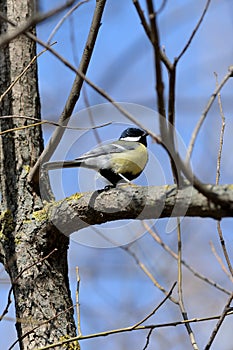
(132, 161)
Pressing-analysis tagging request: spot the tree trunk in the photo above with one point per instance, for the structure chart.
(40, 286)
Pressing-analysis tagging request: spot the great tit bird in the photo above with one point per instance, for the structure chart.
(120, 160)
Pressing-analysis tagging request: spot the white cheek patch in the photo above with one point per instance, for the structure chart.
(131, 138)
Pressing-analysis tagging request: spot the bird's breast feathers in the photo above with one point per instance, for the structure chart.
(131, 161)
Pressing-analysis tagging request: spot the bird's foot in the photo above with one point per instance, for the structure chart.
(106, 188)
(109, 187)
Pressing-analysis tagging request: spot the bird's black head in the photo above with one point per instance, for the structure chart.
(134, 134)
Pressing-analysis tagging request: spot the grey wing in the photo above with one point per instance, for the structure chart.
(100, 157)
(116, 147)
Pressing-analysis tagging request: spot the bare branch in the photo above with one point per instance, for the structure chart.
(36, 19)
(171, 102)
(75, 91)
(194, 31)
(129, 329)
(162, 6)
(220, 233)
(148, 273)
(159, 56)
(205, 112)
(133, 202)
(171, 125)
(41, 122)
(219, 323)
(197, 274)
(148, 339)
(221, 134)
(155, 40)
(156, 309)
(219, 259)
(22, 73)
(224, 249)
(147, 29)
(180, 288)
(95, 87)
(206, 190)
(142, 18)
(77, 301)
(59, 24)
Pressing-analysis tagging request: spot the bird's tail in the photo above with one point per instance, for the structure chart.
(61, 164)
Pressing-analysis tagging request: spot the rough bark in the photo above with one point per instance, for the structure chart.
(133, 202)
(41, 292)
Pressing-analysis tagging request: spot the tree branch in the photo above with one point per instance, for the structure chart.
(194, 31)
(180, 288)
(33, 20)
(155, 41)
(74, 93)
(129, 329)
(219, 323)
(205, 112)
(197, 274)
(126, 202)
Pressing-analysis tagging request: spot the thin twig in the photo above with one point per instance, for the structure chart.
(194, 31)
(205, 112)
(171, 124)
(162, 6)
(171, 102)
(148, 339)
(219, 323)
(77, 301)
(204, 189)
(148, 273)
(32, 21)
(180, 288)
(147, 29)
(21, 127)
(224, 248)
(75, 90)
(41, 122)
(221, 133)
(142, 18)
(223, 267)
(62, 20)
(157, 307)
(96, 88)
(220, 233)
(23, 72)
(158, 239)
(129, 329)
(166, 132)
(155, 41)
(167, 135)
(84, 88)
